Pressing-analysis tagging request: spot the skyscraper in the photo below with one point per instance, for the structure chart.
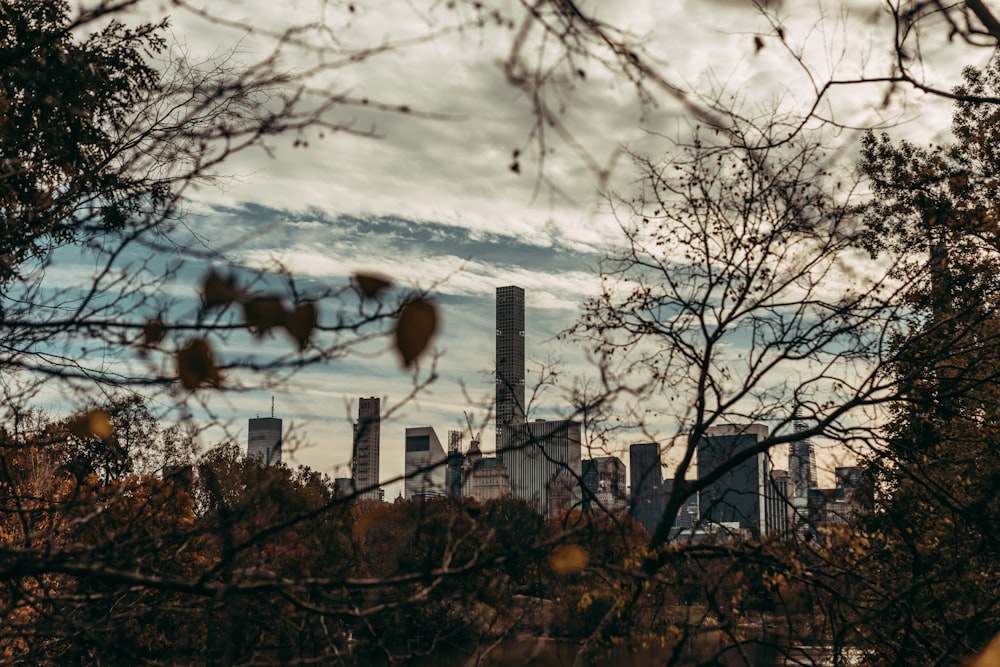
(484, 478)
(456, 465)
(545, 465)
(424, 465)
(802, 465)
(264, 440)
(510, 415)
(603, 483)
(365, 458)
(646, 482)
(802, 478)
(737, 499)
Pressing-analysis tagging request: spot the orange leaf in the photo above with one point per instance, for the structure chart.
(568, 558)
(990, 657)
(416, 326)
(365, 523)
(96, 423)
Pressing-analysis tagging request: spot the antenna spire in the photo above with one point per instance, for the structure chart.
(272, 406)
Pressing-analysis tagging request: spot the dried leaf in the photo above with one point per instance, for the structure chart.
(300, 323)
(990, 657)
(96, 423)
(360, 529)
(219, 291)
(153, 332)
(568, 559)
(264, 313)
(415, 328)
(196, 365)
(370, 284)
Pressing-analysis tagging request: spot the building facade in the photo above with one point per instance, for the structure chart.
(779, 509)
(264, 440)
(542, 452)
(510, 407)
(734, 503)
(367, 441)
(603, 483)
(687, 514)
(646, 484)
(425, 464)
(456, 465)
(485, 477)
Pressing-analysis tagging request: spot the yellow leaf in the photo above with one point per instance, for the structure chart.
(990, 657)
(568, 558)
(96, 423)
(416, 326)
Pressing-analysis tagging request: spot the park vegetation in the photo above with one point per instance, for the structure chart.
(757, 280)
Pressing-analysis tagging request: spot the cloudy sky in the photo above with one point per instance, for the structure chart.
(431, 198)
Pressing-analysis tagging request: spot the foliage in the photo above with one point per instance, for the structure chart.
(933, 560)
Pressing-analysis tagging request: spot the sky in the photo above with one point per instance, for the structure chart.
(431, 198)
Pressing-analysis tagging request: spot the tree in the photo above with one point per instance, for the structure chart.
(734, 300)
(934, 213)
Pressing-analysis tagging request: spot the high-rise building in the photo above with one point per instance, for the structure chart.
(779, 507)
(734, 503)
(485, 477)
(424, 465)
(646, 483)
(264, 440)
(365, 458)
(456, 465)
(603, 482)
(687, 513)
(803, 479)
(802, 465)
(544, 463)
(510, 408)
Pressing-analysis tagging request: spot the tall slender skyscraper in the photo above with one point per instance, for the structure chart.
(802, 465)
(264, 440)
(365, 459)
(510, 408)
(456, 465)
(646, 478)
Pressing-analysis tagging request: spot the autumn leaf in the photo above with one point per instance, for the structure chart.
(370, 284)
(416, 326)
(990, 657)
(153, 332)
(219, 291)
(300, 323)
(360, 529)
(196, 365)
(568, 559)
(263, 313)
(96, 423)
